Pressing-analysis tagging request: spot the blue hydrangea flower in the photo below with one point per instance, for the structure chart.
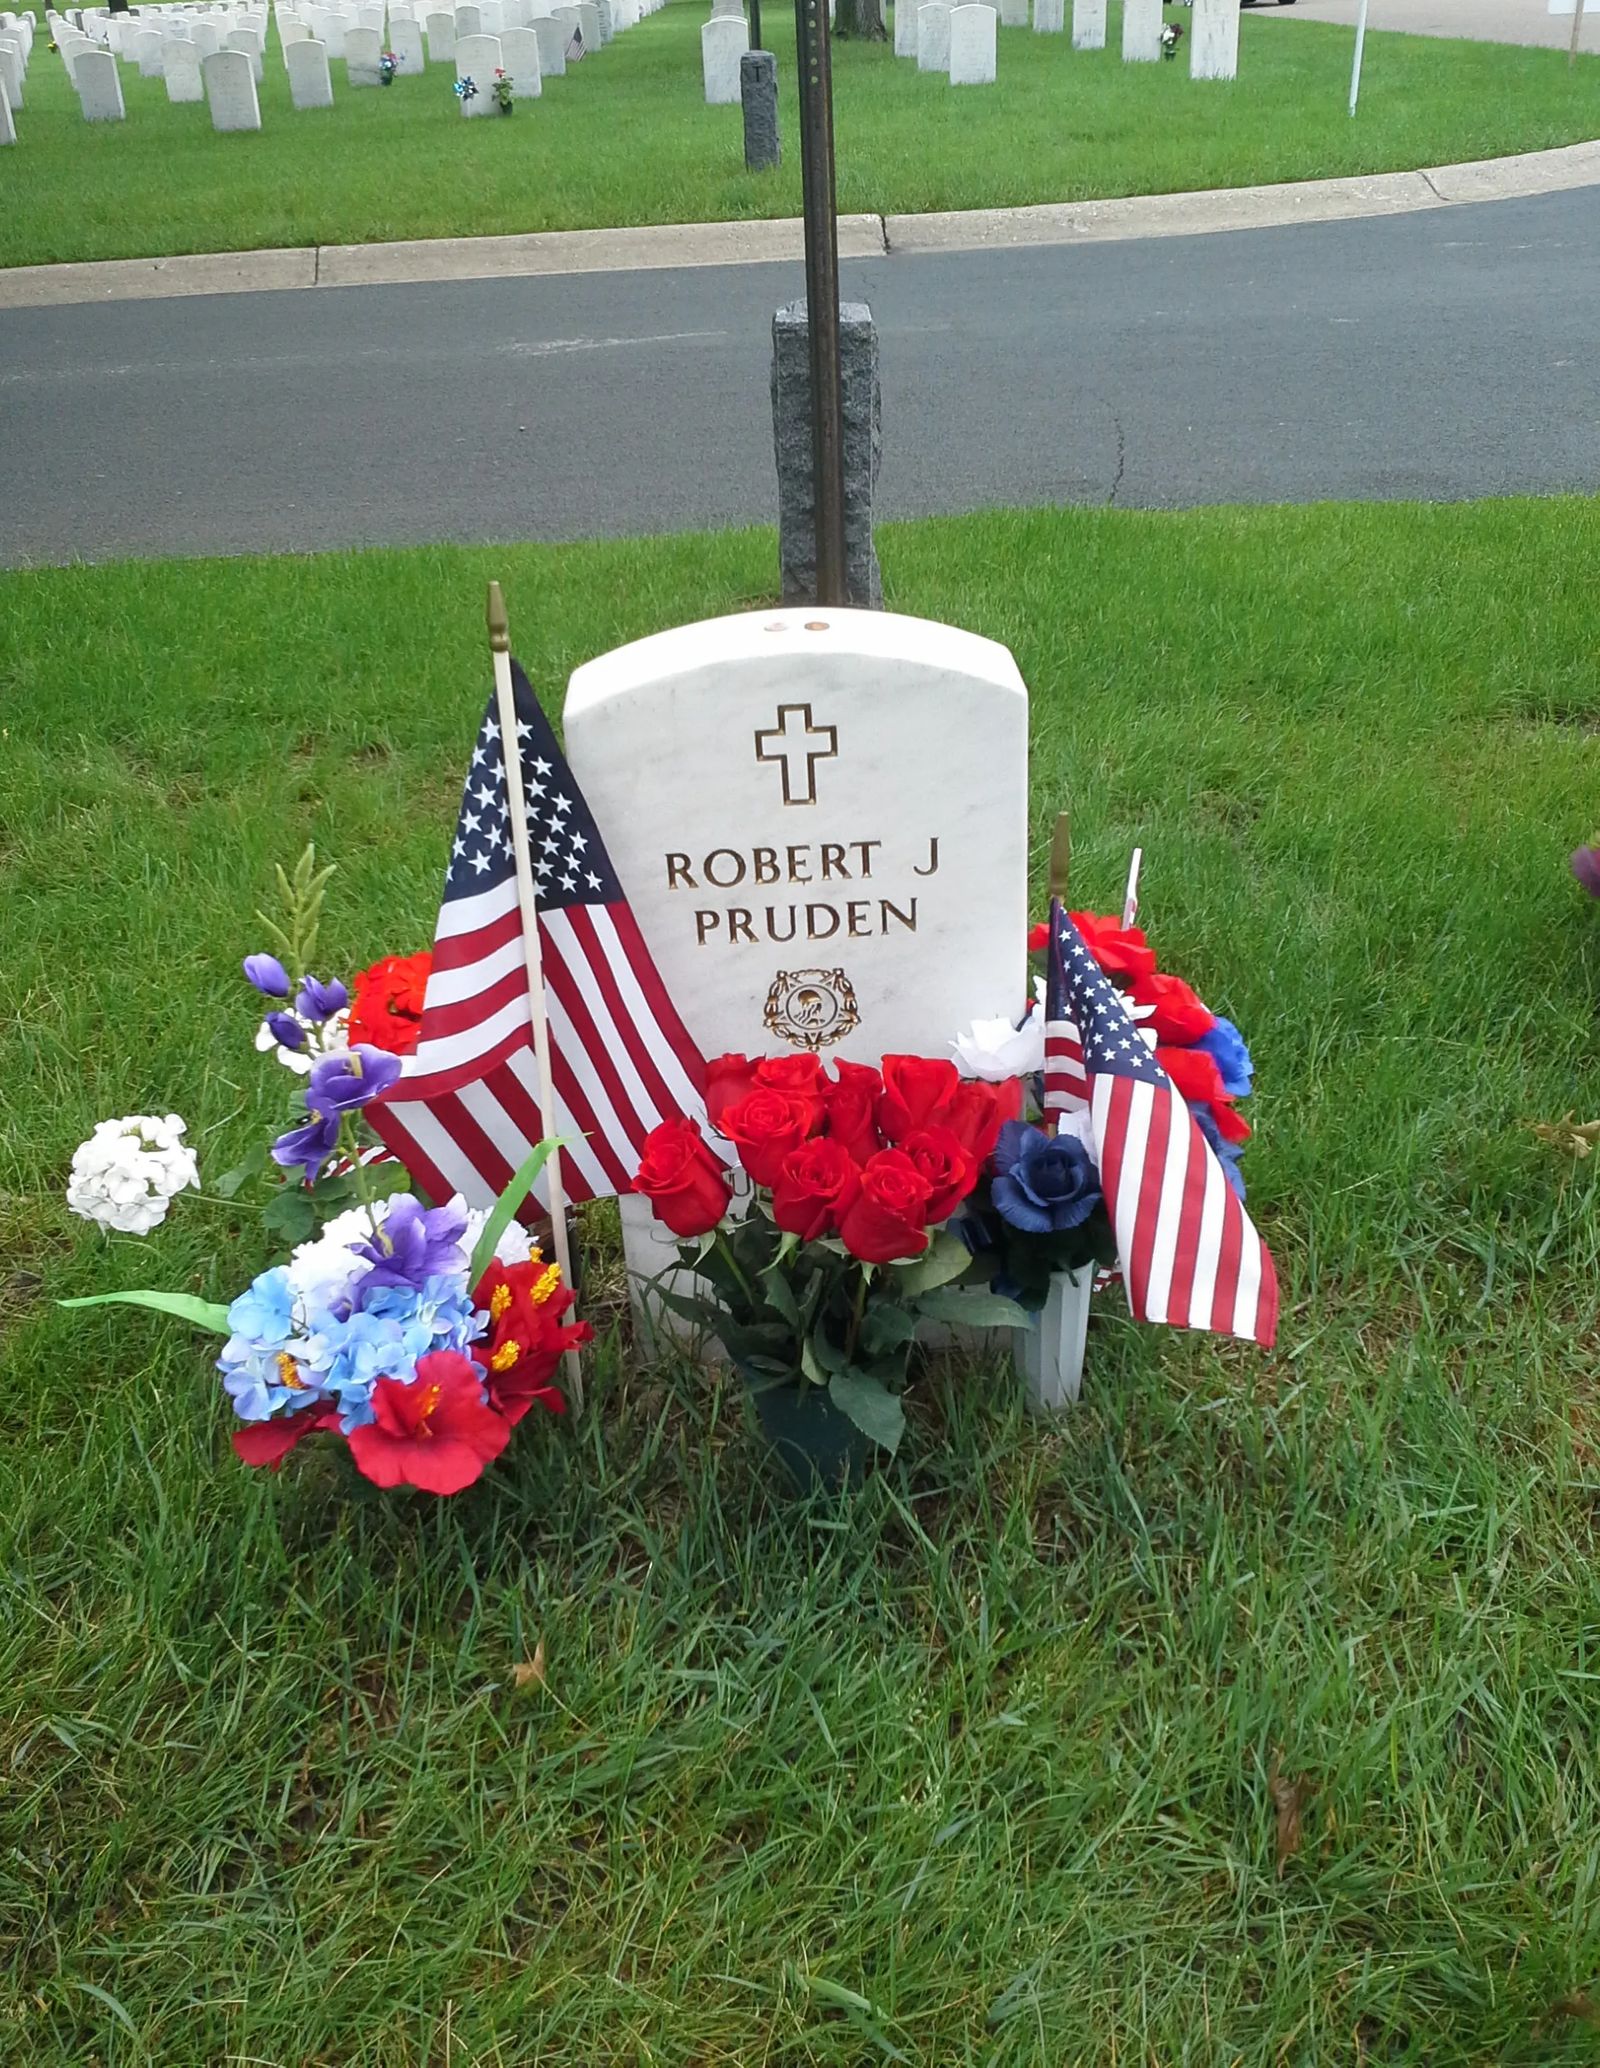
(351, 1355)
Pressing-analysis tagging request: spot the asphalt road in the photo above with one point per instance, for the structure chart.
(1437, 355)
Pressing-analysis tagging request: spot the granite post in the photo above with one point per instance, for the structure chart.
(791, 440)
(758, 89)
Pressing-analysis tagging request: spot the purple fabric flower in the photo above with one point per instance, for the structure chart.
(344, 1083)
(417, 1243)
(1586, 867)
(286, 1030)
(268, 975)
(308, 1148)
(1043, 1184)
(1226, 1046)
(318, 1001)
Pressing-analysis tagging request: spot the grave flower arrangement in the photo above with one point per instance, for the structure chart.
(502, 91)
(388, 65)
(419, 1337)
(1171, 35)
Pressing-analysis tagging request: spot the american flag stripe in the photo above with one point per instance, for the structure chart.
(1066, 1083)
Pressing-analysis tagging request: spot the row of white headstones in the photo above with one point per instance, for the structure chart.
(961, 41)
(216, 53)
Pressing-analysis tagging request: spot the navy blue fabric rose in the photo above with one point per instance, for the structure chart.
(1042, 1185)
(1225, 1045)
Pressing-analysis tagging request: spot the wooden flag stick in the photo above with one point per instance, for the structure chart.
(1130, 901)
(1060, 856)
(527, 899)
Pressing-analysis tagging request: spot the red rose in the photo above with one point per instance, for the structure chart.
(436, 1433)
(1193, 1071)
(851, 1107)
(386, 1003)
(978, 1112)
(1121, 951)
(816, 1186)
(950, 1171)
(728, 1080)
(526, 1341)
(888, 1216)
(269, 1443)
(917, 1091)
(1179, 1015)
(765, 1127)
(682, 1180)
(800, 1076)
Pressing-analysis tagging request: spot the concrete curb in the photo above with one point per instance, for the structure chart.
(781, 240)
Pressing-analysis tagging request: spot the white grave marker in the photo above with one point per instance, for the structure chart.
(1088, 24)
(1013, 14)
(478, 58)
(723, 41)
(972, 46)
(405, 40)
(1049, 17)
(1141, 32)
(552, 40)
(11, 70)
(230, 82)
(100, 87)
(182, 65)
(249, 43)
(589, 23)
(207, 38)
(905, 28)
(933, 37)
(362, 49)
(441, 32)
(145, 50)
(310, 82)
(469, 22)
(519, 53)
(1214, 39)
(8, 128)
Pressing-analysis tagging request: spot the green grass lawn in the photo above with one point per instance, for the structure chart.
(989, 1749)
(626, 138)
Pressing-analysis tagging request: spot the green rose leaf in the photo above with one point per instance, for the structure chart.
(875, 1411)
(887, 1324)
(972, 1309)
(946, 1257)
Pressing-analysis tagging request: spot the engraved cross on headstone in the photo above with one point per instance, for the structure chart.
(786, 743)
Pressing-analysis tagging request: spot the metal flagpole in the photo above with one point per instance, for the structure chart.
(1577, 26)
(1355, 69)
(815, 66)
(527, 900)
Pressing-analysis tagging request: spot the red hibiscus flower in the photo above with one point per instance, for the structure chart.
(437, 1433)
(978, 1111)
(386, 1003)
(1121, 951)
(888, 1217)
(815, 1188)
(269, 1443)
(1179, 1015)
(851, 1106)
(728, 1080)
(917, 1091)
(943, 1160)
(682, 1180)
(765, 1126)
(526, 1339)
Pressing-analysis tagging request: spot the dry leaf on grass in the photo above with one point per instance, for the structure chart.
(1571, 1136)
(530, 1672)
(1290, 1794)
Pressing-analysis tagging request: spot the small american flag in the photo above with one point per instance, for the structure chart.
(575, 47)
(1188, 1250)
(467, 1111)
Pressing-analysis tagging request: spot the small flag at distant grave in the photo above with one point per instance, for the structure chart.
(1189, 1252)
(575, 49)
(468, 1110)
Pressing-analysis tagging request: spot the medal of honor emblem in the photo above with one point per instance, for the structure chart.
(811, 1008)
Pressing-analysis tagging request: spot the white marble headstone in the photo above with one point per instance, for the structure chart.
(469, 21)
(370, 18)
(905, 28)
(933, 37)
(1088, 24)
(145, 50)
(405, 40)
(1049, 17)
(100, 86)
(181, 63)
(519, 53)
(972, 45)
(589, 23)
(310, 82)
(819, 818)
(1013, 14)
(207, 37)
(293, 32)
(1141, 31)
(335, 27)
(230, 82)
(723, 41)
(478, 58)
(11, 70)
(441, 34)
(362, 49)
(249, 43)
(552, 40)
(1214, 39)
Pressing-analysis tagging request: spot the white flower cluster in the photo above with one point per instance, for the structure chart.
(126, 1174)
(323, 1038)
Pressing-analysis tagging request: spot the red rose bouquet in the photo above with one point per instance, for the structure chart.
(816, 1284)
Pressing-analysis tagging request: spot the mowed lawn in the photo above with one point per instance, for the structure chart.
(1245, 1715)
(626, 138)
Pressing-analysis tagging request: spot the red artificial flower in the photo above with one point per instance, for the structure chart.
(526, 1340)
(1038, 936)
(1179, 1016)
(851, 1107)
(728, 1080)
(888, 1217)
(765, 1126)
(269, 1443)
(1231, 1124)
(1194, 1072)
(386, 1003)
(917, 1091)
(1121, 951)
(950, 1171)
(682, 1180)
(436, 1433)
(815, 1188)
(978, 1111)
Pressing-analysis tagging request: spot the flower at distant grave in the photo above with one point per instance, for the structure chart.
(528, 1337)
(416, 1243)
(1121, 951)
(994, 1050)
(388, 65)
(850, 1109)
(815, 1188)
(436, 1433)
(888, 1217)
(1226, 1047)
(1043, 1184)
(1175, 1012)
(684, 1183)
(318, 1001)
(346, 1082)
(268, 975)
(285, 1030)
(765, 1126)
(917, 1091)
(1170, 34)
(387, 1012)
(129, 1171)
(1586, 867)
(308, 1148)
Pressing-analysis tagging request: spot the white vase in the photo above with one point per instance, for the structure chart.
(1050, 1354)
